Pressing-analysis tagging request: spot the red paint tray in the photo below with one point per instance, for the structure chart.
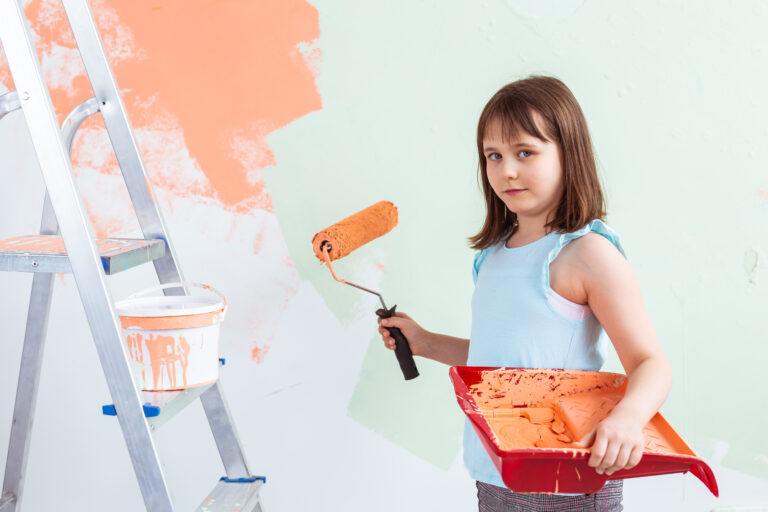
(571, 395)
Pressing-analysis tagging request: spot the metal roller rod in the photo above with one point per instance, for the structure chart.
(326, 248)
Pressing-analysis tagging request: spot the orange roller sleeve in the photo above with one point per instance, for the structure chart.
(356, 230)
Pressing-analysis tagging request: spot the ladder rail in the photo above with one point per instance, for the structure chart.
(84, 257)
(150, 218)
(37, 324)
(29, 376)
(224, 432)
(121, 135)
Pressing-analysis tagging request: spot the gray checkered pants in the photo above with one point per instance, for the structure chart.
(491, 498)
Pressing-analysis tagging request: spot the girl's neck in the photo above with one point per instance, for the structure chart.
(528, 231)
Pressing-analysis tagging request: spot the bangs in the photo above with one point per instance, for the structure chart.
(514, 118)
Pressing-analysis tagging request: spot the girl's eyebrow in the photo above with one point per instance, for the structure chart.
(516, 145)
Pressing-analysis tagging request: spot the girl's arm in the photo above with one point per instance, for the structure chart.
(440, 347)
(613, 294)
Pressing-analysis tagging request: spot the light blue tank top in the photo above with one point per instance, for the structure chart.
(519, 321)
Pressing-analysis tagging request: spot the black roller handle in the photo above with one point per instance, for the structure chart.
(402, 348)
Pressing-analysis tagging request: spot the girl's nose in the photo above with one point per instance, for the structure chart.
(510, 169)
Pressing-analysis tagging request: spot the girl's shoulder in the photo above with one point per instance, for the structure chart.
(595, 237)
(582, 259)
(595, 247)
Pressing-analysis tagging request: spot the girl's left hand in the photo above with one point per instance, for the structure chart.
(617, 443)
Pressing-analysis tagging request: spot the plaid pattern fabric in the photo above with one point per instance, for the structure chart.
(491, 498)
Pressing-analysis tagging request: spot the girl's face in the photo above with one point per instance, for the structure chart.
(524, 172)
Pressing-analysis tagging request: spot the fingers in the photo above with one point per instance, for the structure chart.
(634, 457)
(389, 341)
(621, 459)
(598, 452)
(392, 322)
(614, 451)
(611, 452)
(401, 321)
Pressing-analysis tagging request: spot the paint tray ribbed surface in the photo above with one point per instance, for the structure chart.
(528, 419)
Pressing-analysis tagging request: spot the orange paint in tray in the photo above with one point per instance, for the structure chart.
(529, 420)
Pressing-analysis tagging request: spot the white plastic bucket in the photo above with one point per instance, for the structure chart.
(173, 341)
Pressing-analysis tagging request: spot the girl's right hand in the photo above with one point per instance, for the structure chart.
(418, 338)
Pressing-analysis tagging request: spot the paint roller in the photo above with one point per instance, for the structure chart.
(342, 238)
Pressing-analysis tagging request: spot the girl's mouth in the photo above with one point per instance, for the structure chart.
(514, 191)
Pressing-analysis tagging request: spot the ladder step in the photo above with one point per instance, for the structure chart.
(46, 253)
(160, 406)
(234, 496)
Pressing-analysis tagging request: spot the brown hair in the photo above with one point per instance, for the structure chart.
(564, 124)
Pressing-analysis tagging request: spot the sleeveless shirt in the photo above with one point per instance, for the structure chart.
(519, 321)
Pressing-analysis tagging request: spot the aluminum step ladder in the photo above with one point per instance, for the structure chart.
(90, 260)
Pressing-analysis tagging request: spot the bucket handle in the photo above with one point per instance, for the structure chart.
(179, 285)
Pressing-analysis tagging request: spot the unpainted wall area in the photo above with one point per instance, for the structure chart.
(263, 122)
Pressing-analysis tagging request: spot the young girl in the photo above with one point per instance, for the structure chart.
(550, 278)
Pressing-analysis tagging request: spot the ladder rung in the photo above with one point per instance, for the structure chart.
(160, 406)
(46, 253)
(233, 496)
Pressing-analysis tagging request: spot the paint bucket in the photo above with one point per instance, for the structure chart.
(173, 340)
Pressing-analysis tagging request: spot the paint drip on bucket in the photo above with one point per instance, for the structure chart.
(172, 341)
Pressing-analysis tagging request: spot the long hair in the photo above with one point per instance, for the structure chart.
(564, 124)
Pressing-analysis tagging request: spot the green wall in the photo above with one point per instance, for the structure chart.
(674, 93)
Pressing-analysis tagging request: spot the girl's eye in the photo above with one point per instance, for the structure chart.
(524, 151)
(494, 156)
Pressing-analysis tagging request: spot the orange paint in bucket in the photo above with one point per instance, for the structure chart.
(172, 341)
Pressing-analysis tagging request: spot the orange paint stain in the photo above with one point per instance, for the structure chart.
(762, 194)
(168, 356)
(257, 242)
(54, 244)
(228, 71)
(288, 262)
(227, 75)
(259, 353)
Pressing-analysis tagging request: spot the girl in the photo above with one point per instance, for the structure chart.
(550, 278)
